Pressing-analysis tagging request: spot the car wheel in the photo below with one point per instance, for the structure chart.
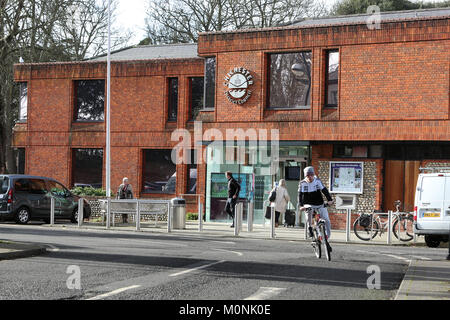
(432, 241)
(74, 218)
(23, 215)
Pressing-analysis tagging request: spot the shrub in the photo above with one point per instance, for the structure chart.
(88, 191)
(191, 216)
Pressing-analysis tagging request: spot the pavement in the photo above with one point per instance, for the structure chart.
(424, 279)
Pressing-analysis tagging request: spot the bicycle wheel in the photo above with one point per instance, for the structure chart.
(316, 245)
(364, 232)
(406, 228)
(326, 246)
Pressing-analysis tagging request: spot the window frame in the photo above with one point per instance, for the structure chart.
(75, 102)
(190, 116)
(23, 84)
(143, 177)
(268, 80)
(171, 99)
(327, 83)
(205, 82)
(74, 150)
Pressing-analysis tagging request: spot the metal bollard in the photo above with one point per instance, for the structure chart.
(108, 213)
(236, 219)
(52, 211)
(200, 215)
(80, 212)
(138, 216)
(169, 217)
(272, 222)
(389, 235)
(250, 216)
(306, 226)
(448, 257)
(348, 223)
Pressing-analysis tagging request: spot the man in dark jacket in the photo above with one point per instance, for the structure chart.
(233, 194)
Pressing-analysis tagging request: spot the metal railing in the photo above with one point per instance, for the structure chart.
(135, 207)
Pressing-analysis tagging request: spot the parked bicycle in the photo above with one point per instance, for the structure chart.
(368, 226)
(319, 236)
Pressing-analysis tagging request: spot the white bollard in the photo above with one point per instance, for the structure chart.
(389, 235)
(169, 217)
(250, 216)
(200, 215)
(80, 212)
(138, 216)
(348, 223)
(52, 211)
(272, 222)
(108, 213)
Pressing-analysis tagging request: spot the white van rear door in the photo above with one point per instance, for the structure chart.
(446, 211)
(431, 201)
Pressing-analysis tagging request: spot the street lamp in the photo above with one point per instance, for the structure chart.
(298, 70)
(108, 108)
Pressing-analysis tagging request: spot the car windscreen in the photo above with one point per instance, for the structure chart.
(4, 183)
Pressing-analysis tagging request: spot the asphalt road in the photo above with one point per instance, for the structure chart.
(102, 265)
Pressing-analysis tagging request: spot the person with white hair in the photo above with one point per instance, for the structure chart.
(281, 200)
(310, 192)
(125, 192)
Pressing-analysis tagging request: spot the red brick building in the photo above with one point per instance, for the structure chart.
(367, 105)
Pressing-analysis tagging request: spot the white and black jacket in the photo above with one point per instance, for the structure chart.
(311, 192)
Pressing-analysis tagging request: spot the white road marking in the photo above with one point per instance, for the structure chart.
(265, 293)
(397, 257)
(421, 258)
(149, 242)
(52, 248)
(112, 293)
(236, 252)
(194, 269)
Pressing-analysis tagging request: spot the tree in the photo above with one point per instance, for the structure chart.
(172, 21)
(345, 7)
(42, 31)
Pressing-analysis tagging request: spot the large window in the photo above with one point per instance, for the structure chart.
(196, 85)
(89, 100)
(159, 172)
(332, 77)
(210, 82)
(173, 99)
(87, 167)
(289, 80)
(23, 101)
(192, 173)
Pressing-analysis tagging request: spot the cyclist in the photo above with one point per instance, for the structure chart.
(310, 192)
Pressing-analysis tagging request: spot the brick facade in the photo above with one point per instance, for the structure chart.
(393, 86)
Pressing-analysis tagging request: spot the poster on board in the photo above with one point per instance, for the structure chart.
(346, 177)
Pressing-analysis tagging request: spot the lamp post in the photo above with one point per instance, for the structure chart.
(108, 108)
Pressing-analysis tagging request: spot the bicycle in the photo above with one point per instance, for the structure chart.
(319, 234)
(367, 226)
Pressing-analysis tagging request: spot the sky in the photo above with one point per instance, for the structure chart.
(131, 15)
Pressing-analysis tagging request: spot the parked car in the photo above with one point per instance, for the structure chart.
(432, 207)
(24, 198)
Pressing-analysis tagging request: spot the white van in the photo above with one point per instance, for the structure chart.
(432, 205)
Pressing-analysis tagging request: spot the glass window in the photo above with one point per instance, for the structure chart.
(19, 155)
(332, 77)
(4, 184)
(192, 173)
(57, 189)
(87, 167)
(210, 82)
(173, 99)
(22, 185)
(196, 96)
(159, 172)
(89, 100)
(23, 103)
(290, 80)
(37, 186)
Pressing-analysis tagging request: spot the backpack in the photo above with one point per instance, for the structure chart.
(273, 195)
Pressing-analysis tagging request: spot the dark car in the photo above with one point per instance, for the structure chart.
(24, 198)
